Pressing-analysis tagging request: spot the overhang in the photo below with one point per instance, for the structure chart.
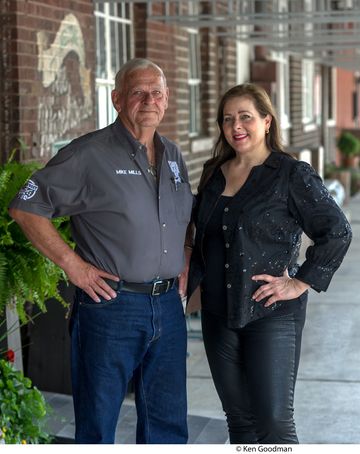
(327, 31)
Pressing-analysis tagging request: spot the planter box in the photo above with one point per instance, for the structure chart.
(47, 359)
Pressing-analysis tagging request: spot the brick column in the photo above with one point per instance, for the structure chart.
(9, 84)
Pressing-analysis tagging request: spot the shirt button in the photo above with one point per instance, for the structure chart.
(165, 251)
(228, 286)
(164, 225)
(226, 209)
(224, 227)
(227, 265)
(227, 245)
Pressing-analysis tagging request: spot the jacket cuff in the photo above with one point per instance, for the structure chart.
(318, 277)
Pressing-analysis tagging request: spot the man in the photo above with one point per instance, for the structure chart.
(126, 190)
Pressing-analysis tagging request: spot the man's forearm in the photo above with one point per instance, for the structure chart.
(44, 236)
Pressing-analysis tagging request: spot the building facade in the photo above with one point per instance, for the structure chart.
(59, 60)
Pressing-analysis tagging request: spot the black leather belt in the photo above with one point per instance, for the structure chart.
(153, 288)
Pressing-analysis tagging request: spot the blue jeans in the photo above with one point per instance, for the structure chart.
(135, 336)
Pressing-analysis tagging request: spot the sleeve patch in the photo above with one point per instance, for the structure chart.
(28, 190)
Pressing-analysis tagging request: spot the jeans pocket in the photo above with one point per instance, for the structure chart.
(86, 301)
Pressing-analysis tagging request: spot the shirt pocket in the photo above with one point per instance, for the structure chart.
(183, 201)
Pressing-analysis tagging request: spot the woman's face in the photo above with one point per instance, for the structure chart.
(243, 127)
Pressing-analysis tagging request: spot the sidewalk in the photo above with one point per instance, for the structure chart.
(327, 398)
(327, 405)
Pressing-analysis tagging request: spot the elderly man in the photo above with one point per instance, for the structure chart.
(126, 190)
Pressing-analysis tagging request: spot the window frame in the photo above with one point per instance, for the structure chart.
(308, 92)
(104, 84)
(194, 75)
(194, 82)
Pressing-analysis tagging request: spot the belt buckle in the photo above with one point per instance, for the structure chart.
(155, 292)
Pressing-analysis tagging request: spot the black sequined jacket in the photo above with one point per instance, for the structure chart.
(262, 227)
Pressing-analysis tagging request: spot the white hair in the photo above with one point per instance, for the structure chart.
(131, 66)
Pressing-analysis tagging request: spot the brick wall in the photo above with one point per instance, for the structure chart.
(51, 71)
(160, 48)
(345, 88)
(9, 86)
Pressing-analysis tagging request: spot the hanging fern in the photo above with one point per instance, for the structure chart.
(25, 274)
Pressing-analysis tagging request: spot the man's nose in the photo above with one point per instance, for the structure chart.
(149, 97)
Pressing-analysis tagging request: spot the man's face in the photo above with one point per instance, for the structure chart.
(143, 99)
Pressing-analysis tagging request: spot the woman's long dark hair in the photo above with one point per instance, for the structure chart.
(222, 150)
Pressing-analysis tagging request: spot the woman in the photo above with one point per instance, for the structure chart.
(254, 202)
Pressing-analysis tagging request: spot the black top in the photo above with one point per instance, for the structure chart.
(262, 233)
(213, 297)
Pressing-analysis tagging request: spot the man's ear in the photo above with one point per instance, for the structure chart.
(115, 97)
(167, 98)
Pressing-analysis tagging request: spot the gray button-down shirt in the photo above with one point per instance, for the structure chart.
(123, 220)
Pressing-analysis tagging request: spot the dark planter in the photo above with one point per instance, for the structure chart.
(351, 162)
(47, 355)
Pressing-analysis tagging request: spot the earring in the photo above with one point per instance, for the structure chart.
(267, 131)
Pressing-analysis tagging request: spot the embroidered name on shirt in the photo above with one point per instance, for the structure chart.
(127, 172)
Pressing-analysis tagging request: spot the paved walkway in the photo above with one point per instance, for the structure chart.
(328, 391)
(327, 403)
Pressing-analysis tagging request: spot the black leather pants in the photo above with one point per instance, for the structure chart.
(254, 371)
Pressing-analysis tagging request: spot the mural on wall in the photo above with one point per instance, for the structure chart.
(67, 99)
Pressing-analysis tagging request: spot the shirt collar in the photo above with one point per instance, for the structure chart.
(274, 159)
(121, 130)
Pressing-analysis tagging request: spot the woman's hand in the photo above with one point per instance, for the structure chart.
(278, 288)
(183, 277)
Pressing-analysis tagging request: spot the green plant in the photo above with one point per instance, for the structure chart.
(23, 409)
(348, 144)
(329, 169)
(355, 182)
(25, 274)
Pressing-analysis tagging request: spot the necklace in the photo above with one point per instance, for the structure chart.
(152, 170)
(152, 162)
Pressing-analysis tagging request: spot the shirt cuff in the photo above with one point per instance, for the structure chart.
(317, 276)
(34, 208)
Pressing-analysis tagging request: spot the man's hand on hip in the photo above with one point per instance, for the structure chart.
(91, 279)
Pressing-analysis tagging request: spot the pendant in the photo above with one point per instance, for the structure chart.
(152, 170)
